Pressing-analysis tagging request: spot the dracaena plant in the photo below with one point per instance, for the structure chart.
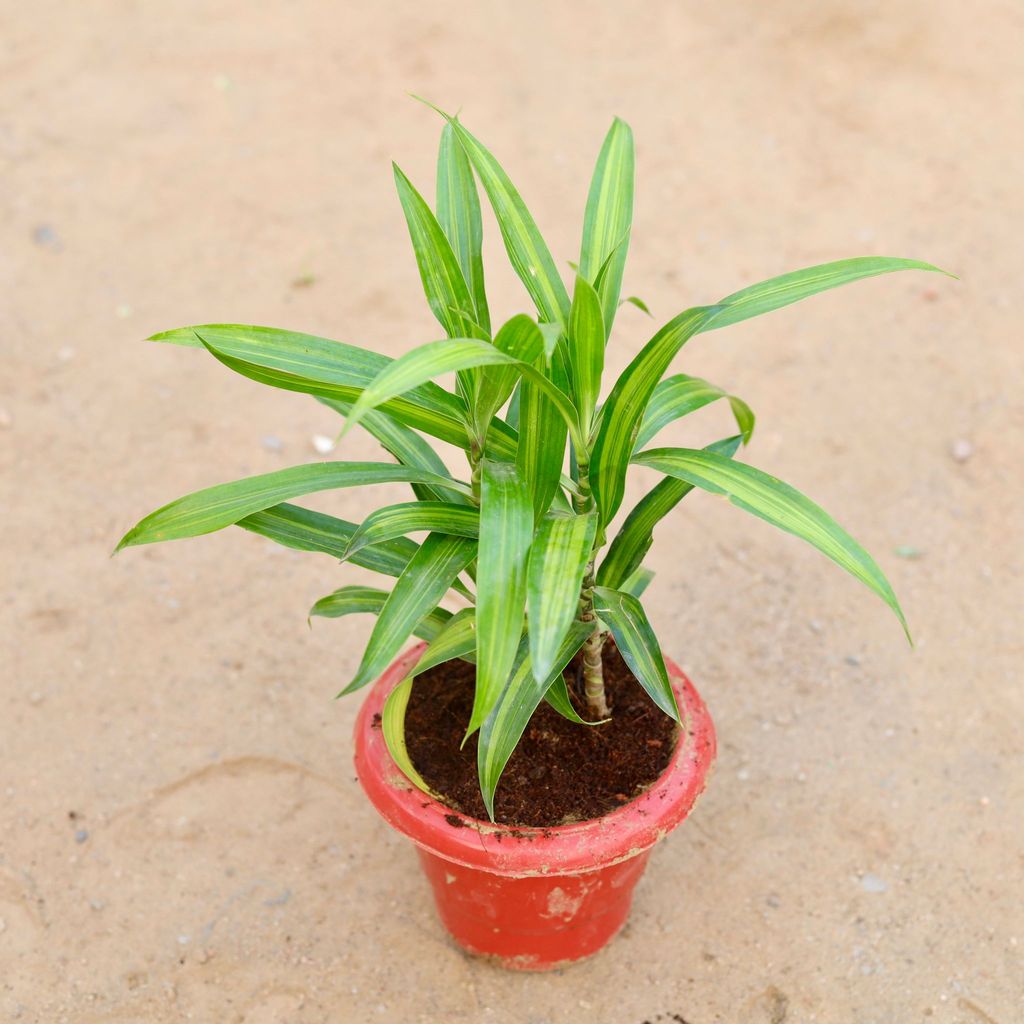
(525, 543)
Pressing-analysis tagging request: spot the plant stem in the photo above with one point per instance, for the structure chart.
(593, 666)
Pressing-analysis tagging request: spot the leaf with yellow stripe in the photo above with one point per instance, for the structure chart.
(429, 574)
(506, 529)
(624, 616)
(353, 599)
(558, 558)
(438, 357)
(458, 213)
(455, 639)
(393, 521)
(777, 503)
(213, 508)
(785, 289)
(636, 534)
(680, 395)
(608, 218)
(527, 251)
(392, 727)
(585, 350)
(504, 726)
(622, 413)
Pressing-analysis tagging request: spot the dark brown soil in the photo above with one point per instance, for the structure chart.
(560, 772)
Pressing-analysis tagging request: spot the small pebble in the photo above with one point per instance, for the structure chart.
(96, 904)
(852, 659)
(65, 353)
(45, 235)
(908, 551)
(81, 835)
(184, 940)
(961, 449)
(323, 444)
(6, 420)
(123, 311)
(272, 442)
(872, 883)
(815, 625)
(35, 697)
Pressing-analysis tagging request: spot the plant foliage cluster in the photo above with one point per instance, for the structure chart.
(526, 544)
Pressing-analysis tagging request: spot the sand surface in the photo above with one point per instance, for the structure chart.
(181, 837)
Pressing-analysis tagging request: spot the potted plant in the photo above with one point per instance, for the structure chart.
(545, 667)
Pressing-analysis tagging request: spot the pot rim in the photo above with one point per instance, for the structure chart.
(578, 847)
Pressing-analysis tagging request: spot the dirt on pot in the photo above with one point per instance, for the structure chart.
(559, 772)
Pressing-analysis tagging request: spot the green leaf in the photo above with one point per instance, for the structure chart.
(636, 535)
(586, 340)
(429, 574)
(680, 395)
(352, 600)
(213, 508)
(777, 503)
(392, 726)
(520, 338)
(638, 581)
(458, 212)
(409, 517)
(328, 369)
(541, 451)
(624, 615)
(437, 357)
(609, 217)
(405, 445)
(799, 284)
(527, 251)
(558, 697)
(445, 287)
(506, 529)
(305, 530)
(558, 557)
(635, 300)
(622, 413)
(504, 726)
(456, 639)
(552, 334)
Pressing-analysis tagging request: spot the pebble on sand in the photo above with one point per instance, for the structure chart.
(872, 883)
(909, 552)
(323, 444)
(961, 449)
(46, 236)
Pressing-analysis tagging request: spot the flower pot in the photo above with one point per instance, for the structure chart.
(533, 898)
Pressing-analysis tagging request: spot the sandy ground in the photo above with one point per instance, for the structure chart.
(181, 837)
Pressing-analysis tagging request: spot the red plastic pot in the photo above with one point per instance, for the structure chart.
(533, 898)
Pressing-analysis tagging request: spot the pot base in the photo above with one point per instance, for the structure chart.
(535, 923)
